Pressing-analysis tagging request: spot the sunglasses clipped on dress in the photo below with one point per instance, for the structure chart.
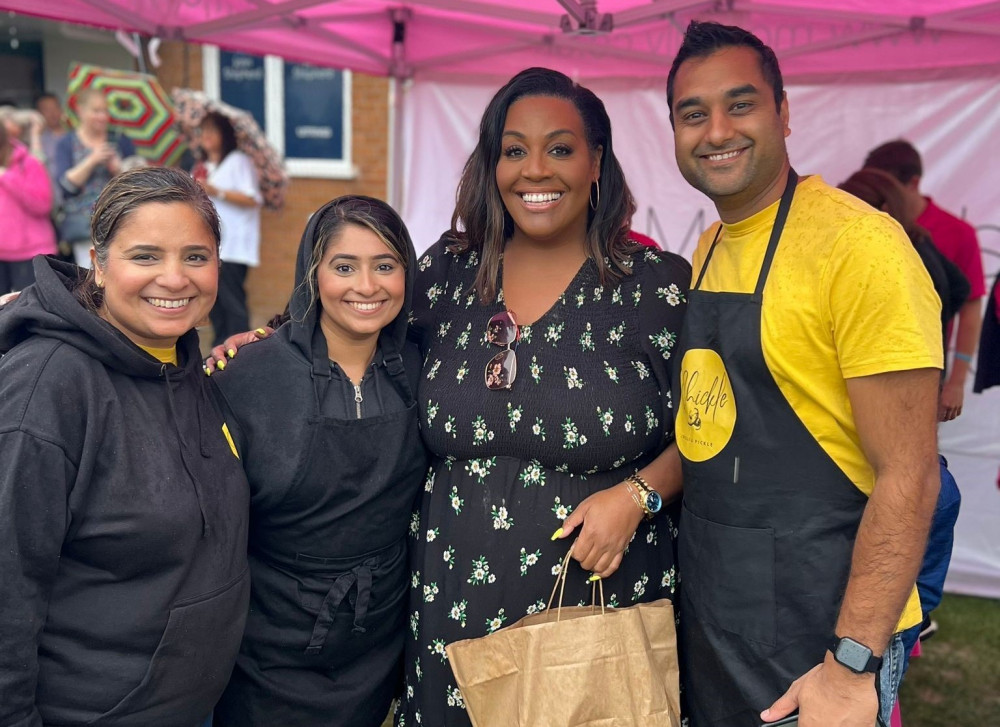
(502, 330)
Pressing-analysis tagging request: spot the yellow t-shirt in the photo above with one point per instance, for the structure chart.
(163, 355)
(847, 296)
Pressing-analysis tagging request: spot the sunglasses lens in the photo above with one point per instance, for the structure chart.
(501, 371)
(501, 330)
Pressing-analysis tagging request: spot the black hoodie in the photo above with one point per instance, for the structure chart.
(333, 476)
(276, 373)
(123, 522)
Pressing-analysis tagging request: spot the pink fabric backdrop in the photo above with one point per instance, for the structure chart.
(813, 38)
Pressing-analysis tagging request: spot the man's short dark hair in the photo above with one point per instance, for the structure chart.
(44, 95)
(703, 39)
(900, 158)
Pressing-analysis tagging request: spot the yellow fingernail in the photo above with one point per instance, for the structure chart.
(231, 352)
(260, 332)
(221, 365)
(208, 371)
(593, 578)
(556, 534)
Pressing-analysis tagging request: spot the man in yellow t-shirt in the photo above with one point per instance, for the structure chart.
(807, 395)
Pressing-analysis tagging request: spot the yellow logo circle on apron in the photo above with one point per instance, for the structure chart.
(707, 413)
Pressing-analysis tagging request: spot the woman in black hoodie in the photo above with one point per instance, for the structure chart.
(325, 420)
(123, 505)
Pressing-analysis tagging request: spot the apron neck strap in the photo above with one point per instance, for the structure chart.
(772, 244)
(397, 372)
(394, 367)
(776, 230)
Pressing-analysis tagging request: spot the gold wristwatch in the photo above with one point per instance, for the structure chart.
(649, 498)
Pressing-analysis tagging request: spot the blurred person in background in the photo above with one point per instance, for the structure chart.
(957, 240)
(54, 129)
(86, 160)
(230, 179)
(882, 191)
(25, 203)
(25, 126)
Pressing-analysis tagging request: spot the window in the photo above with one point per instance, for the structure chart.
(304, 110)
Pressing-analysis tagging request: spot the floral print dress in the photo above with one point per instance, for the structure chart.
(591, 403)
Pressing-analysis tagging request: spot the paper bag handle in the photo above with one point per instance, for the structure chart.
(560, 585)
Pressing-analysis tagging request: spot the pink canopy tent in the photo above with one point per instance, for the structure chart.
(585, 38)
(859, 73)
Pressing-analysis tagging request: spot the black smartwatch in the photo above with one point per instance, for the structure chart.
(854, 655)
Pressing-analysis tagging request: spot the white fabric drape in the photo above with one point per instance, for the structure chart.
(952, 122)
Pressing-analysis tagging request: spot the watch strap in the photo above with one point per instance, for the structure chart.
(873, 664)
(644, 490)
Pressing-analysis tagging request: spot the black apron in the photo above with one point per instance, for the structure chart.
(324, 637)
(769, 519)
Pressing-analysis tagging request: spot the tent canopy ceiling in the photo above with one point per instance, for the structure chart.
(584, 38)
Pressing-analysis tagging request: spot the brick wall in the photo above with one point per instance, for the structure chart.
(269, 285)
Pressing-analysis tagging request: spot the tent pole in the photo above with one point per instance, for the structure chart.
(394, 167)
(398, 76)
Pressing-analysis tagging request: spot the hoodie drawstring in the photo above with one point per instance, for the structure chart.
(164, 371)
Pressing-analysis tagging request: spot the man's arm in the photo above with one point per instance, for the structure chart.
(896, 415)
(953, 392)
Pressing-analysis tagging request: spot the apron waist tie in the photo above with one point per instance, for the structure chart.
(362, 575)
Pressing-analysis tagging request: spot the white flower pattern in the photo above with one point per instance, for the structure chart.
(589, 404)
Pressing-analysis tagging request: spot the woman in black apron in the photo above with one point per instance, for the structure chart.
(326, 424)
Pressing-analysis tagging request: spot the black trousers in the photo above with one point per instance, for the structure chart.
(229, 314)
(15, 275)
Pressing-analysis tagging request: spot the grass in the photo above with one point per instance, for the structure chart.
(956, 682)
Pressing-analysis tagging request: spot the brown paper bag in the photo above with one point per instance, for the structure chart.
(574, 666)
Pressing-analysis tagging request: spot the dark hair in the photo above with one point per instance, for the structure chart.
(703, 39)
(479, 210)
(900, 158)
(122, 196)
(44, 95)
(367, 212)
(881, 190)
(222, 124)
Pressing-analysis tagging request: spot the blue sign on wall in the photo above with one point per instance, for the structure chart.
(241, 83)
(314, 112)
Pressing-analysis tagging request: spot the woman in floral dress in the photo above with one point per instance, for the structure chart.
(540, 232)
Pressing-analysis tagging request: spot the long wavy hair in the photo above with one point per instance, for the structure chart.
(482, 223)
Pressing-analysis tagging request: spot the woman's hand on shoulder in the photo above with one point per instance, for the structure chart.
(9, 297)
(228, 348)
(607, 520)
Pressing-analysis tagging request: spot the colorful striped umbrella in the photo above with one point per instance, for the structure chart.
(138, 107)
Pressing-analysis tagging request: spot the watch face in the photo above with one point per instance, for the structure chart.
(654, 502)
(853, 655)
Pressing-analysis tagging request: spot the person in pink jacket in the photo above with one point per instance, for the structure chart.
(25, 203)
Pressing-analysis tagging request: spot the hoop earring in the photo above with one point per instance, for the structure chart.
(594, 205)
